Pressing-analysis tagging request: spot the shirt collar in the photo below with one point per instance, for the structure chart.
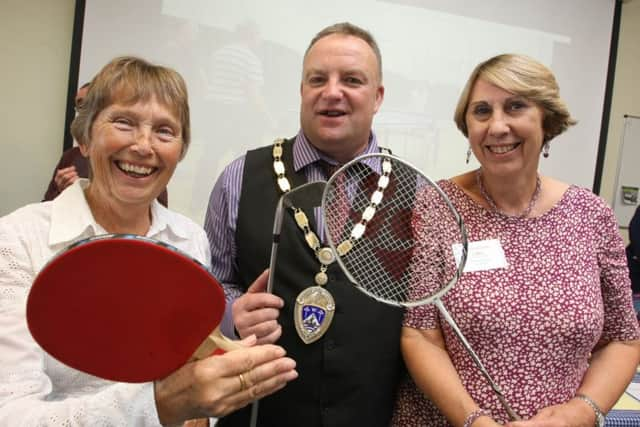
(304, 153)
(71, 217)
(163, 219)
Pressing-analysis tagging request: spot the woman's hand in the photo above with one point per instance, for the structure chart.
(574, 413)
(486, 422)
(65, 177)
(218, 385)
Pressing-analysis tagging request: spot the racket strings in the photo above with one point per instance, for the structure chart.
(404, 254)
(437, 231)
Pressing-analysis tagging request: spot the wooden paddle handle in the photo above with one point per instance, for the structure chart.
(215, 341)
(200, 422)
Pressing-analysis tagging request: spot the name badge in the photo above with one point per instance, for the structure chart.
(482, 255)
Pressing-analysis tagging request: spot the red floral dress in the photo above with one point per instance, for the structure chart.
(534, 323)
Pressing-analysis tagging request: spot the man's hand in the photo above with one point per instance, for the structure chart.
(256, 312)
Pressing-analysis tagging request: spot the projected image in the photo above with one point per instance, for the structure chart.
(242, 61)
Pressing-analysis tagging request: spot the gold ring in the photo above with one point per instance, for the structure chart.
(243, 382)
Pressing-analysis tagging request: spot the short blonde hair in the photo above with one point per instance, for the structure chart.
(523, 76)
(128, 80)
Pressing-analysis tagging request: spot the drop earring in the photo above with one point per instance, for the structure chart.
(545, 149)
(468, 154)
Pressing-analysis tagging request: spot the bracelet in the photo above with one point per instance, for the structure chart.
(473, 416)
(600, 420)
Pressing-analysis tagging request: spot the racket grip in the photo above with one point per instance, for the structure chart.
(215, 343)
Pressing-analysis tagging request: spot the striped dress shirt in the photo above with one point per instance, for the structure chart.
(222, 214)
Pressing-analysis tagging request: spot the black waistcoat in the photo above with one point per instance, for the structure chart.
(349, 376)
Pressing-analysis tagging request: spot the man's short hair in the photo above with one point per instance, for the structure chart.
(349, 29)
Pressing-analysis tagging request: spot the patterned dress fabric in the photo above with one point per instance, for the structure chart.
(534, 323)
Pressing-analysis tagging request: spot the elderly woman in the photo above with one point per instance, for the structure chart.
(134, 128)
(550, 313)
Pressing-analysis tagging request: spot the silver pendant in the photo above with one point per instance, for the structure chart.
(321, 278)
(325, 256)
(313, 313)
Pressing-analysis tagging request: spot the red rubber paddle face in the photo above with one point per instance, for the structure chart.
(123, 308)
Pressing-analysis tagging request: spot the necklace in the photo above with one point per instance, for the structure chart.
(315, 305)
(492, 204)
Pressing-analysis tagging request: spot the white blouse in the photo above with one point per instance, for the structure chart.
(36, 389)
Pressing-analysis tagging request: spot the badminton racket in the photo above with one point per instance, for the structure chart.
(393, 231)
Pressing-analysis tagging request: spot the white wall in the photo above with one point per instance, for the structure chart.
(35, 47)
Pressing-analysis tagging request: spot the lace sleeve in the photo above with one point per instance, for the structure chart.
(35, 389)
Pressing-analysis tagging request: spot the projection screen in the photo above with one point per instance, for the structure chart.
(429, 47)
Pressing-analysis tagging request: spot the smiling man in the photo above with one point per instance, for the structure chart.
(349, 363)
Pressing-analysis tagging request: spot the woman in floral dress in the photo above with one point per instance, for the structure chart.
(548, 309)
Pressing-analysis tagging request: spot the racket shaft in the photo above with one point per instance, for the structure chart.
(445, 313)
(272, 262)
(277, 226)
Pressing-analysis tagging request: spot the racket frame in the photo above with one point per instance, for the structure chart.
(368, 158)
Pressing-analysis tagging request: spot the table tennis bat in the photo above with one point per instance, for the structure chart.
(126, 308)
